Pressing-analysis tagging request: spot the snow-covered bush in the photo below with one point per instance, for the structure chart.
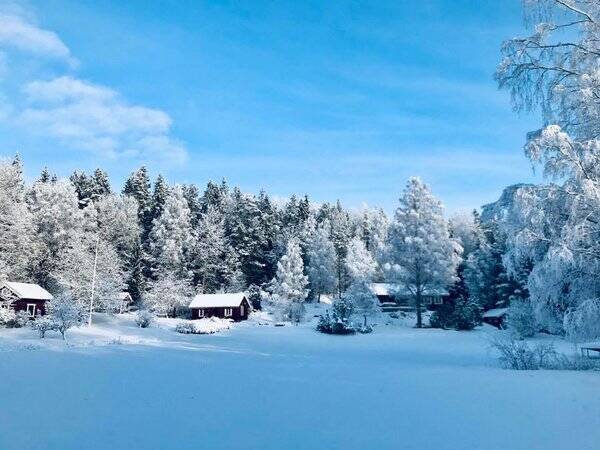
(20, 319)
(467, 315)
(461, 315)
(521, 319)
(209, 325)
(364, 329)
(185, 327)
(144, 318)
(43, 324)
(7, 315)
(518, 355)
(338, 322)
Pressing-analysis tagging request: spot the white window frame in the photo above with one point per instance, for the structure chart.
(438, 300)
(31, 313)
(228, 312)
(201, 312)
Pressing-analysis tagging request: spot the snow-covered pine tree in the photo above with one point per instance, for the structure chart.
(361, 269)
(341, 233)
(269, 229)
(244, 233)
(159, 197)
(423, 255)
(138, 187)
(16, 226)
(171, 239)
(211, 252)
(321, 261)
(215, 196)
(289, 287)
(57, 221)
(192, 195)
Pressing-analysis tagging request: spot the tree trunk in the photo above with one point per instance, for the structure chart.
(418, 302)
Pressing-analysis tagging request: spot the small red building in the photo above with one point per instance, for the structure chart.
(225, 306)
(24, 297)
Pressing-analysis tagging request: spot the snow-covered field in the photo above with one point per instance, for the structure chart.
(256, 386)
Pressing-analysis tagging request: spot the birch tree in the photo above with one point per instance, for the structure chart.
(554, 69)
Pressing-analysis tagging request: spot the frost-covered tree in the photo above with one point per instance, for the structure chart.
(160, 196)
(360, 264)
(65, 313)
(289, 287)
(117, 223)
(171, 239)
(423, 255)
(137, 186)
(374, 227)
(555, 69)
(16, 226)
(583, 323)
(210, 258)
(321, 257)
(361, 269)
(167, 294)
(57, 221)
(90, 262)
(341, 233)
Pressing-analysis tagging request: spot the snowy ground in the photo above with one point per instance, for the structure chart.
(255, 386)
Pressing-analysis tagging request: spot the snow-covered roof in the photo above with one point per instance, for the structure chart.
(496, 312)
(393, 289)
(326, 299)
(28, 291)
(384, 288)
(124, 295)
(217, 300)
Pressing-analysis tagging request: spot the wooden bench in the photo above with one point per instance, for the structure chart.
(585, 351)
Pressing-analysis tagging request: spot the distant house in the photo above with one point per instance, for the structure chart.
(395, 297)
(225, 306)
(126, 302)
(24, 297)
(496, 317)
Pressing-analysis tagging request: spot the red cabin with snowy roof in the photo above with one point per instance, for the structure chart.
(24, 297)
(225, 306)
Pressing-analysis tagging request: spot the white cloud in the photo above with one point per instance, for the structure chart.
(18, 33)
(79, 114)
(94, 117)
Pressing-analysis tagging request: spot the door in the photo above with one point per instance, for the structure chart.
(31, 309)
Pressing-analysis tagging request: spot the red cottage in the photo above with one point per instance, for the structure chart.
(225, 306)
(24, 297)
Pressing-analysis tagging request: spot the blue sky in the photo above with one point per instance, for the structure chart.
(337, 99)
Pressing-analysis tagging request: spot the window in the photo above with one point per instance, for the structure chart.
(439, 300)
(228, 312)
(241, 310)
(200, 313)
(31, 309)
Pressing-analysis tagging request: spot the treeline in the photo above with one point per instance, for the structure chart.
(163, 243)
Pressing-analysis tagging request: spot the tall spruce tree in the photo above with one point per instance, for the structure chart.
(424, 256)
